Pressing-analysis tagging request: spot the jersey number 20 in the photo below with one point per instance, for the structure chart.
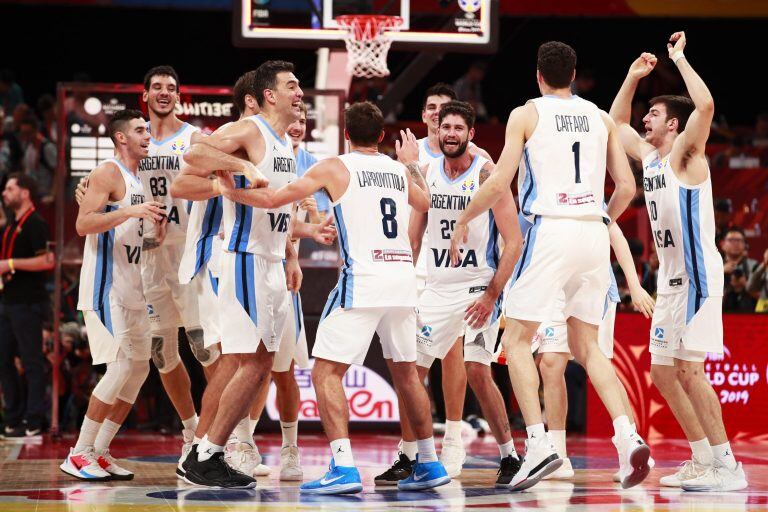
(388, 213)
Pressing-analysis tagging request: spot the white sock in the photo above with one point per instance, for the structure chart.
(342, 452)
(621, 426)
(197, 440)
(409, 449)
(252, 424)
(290, 432)
(536, 431)
(452, 430)
(701, 452)
(190, 423)
(426, 449)
(88, 432)
(507, 449)
(557, 437)
(724, 454)
(106, 434)
(242, 431)
(206, 449)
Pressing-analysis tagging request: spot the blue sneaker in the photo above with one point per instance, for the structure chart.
(425, 475)
(338, 480)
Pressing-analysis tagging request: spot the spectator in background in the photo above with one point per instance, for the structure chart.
(469, 88)
(723, 222)
(46, 107)
(10, 92)
(24, 260)
(760, 137)
(317, 207)
(38, 156)
(737, 156)
(757, 285)
(737, 299)
(736, 255)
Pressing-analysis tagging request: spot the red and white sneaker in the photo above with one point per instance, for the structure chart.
(109, 464)
(85, 466)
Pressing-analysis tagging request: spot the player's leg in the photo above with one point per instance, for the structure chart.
(552, 368)
(288, 401)
(452, 452)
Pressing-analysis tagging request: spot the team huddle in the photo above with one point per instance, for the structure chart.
(200, 231)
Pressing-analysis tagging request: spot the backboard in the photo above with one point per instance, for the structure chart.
(428, 25)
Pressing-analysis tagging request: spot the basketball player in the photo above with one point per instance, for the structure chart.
(565, 144)
(370, 194)
(111, 217)
(474, 286)
(687, 322)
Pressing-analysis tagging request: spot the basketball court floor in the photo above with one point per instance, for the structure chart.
(30, 480)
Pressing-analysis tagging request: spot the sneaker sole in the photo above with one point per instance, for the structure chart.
(123, 478)
(640, 469)
(335, 489)
(181, 474)
(388, 483)
(736, 486)
(547, 466)
(420, 486)
(676, 484)
(291, 478)
(85, 479)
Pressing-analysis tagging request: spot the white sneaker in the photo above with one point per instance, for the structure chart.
(109, 464)
(633, 459)
(453, 455)
(242, 457)
(540, 460)
(261, 469)
(189, 436)
(84, 465)
(617, 475)
(688, 470)
(290, 464)
(564, 472)
(717, 477)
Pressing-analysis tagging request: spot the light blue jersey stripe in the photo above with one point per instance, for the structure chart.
(347, 278)
(527, 255)
(694, 254)
(529, 186)
(492, 247)
(244, 286)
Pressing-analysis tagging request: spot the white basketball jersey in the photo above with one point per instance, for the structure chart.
(372, 223)
(426, 156)
(255, 230)
(480, 255)
(158, 170)
(683, 229)
(111, 273)
(562, 172)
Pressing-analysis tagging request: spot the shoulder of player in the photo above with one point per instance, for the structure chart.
(105, 175)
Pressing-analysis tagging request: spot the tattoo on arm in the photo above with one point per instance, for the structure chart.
(484, 175)
(416, 176)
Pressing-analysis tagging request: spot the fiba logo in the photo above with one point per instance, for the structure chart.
(178, 147)
(468, 186)
(470, 6)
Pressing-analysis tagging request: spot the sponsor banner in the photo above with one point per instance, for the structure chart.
(739, 377)
(371, 398)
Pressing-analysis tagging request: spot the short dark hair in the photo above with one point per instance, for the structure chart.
(459, 108)
(735, 229)
(439, 89)
(26, 182)
(364, 123)
(679, 107)
(556, 62)
(160, 71)
(120, 119)
(243, 87)
(266, 76)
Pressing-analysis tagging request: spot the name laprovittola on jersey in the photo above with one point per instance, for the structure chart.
(683, 226)
(480, 255)
(158, 170)
(111, 273)
(562, 172)
(372, 224)
(255, 230)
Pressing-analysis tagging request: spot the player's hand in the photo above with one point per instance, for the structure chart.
(226, 183)
(293, 274)
(150, 210)
(254, 176)
(643, 65)
(161, 229)
(407, 148)
(729, 266)
(458, 239)
(82, 186)
(477, 314)
(324, 233)
(4, 267)
(309, 205)
(676, 43)
(642, 301)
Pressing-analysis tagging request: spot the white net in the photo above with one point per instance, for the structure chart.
(368, 44)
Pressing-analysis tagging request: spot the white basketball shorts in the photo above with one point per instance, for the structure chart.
(170, 304)
(680, 330)
(116, 328)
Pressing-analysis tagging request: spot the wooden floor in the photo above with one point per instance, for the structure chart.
(30, 480)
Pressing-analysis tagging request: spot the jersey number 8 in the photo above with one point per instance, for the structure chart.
(388, 213)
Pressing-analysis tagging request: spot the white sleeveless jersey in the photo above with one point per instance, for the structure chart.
(111, 273)
(562, 172)
(256, 230)
(158, 170)
(683, 228)
(426, 156)
(480, 254)
(372, 222)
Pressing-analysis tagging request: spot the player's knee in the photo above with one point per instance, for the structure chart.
(688, 375)
(138, 374)
(477, 373)
(551, 366)
(205, 356)
(663, 377)
(108, 388)
(165, 350)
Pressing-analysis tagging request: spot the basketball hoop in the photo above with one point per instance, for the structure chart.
(367, 42)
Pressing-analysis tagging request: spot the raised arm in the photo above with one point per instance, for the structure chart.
(621, 109)
(618, 168)
(640, 299)
(407, 149)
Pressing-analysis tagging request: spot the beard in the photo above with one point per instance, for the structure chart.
(460, 149)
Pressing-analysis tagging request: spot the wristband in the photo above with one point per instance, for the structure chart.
(10, 266)
(677, 56)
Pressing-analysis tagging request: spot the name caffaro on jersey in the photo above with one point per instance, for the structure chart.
(160, 163)
(567, 123)
(381, 180)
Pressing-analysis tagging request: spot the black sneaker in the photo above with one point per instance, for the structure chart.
(400, 470)
(14, 433)
(214, 472)
(508, 468)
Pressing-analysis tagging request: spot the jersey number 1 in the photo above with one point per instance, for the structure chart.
(575, 148)
(388, 213)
